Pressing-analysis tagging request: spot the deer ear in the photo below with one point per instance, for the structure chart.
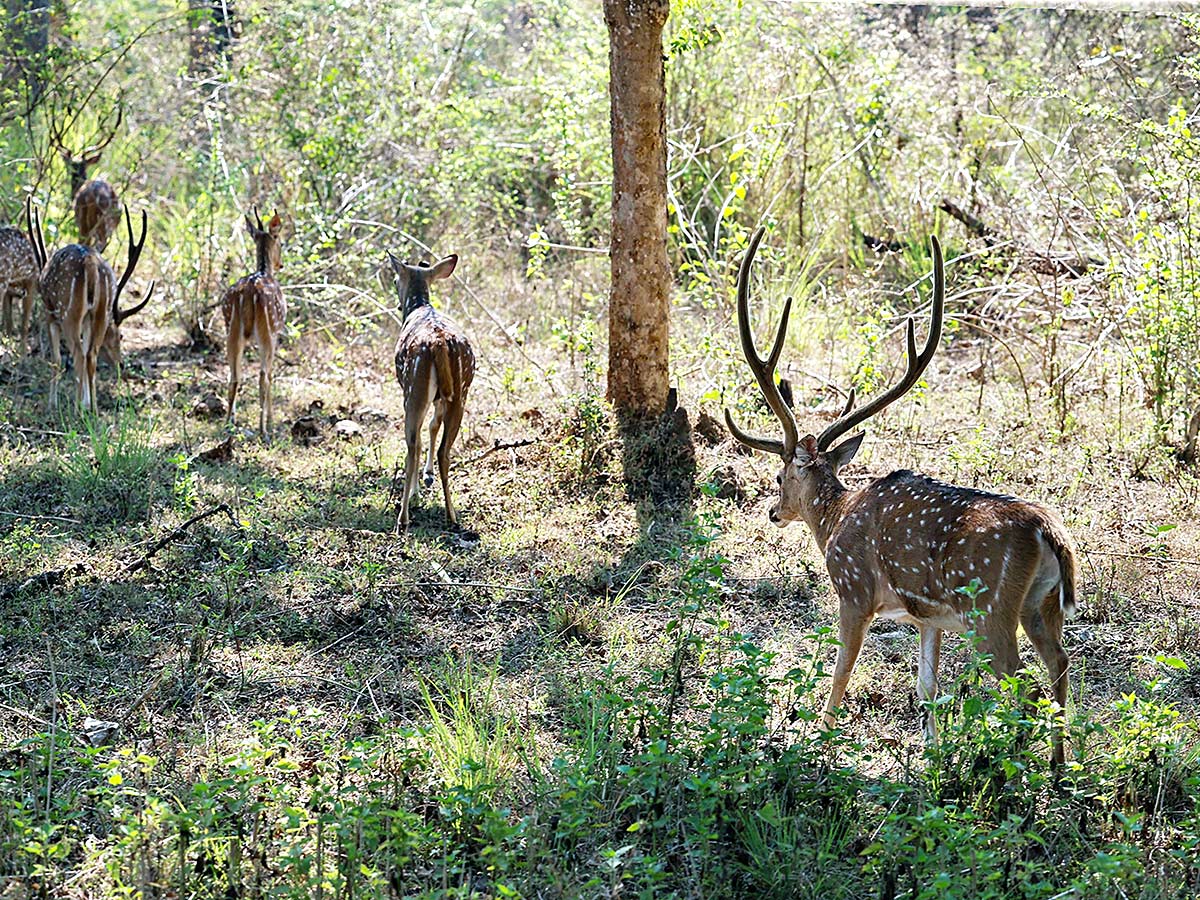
(845, 451)
(396, 264)
(275, 224)
(444, 267)
(92, 160)
(250, 225)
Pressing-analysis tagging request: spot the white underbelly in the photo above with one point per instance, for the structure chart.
(943, 615)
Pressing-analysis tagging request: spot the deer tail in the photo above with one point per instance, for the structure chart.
(1060, 542)
(441, 362)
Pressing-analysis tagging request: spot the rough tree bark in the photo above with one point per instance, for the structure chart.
(639, 303)
(27, 39)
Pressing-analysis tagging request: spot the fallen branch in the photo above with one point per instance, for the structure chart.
(42, 580)
(497, 445)
(176, 535)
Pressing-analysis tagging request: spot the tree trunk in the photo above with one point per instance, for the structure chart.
(28, 39)
(639, 305)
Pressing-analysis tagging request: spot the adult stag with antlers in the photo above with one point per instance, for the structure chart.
(435, 366)
(912, 549)
(83, 304)
(19, 271)
(97, 207)
(254, 308)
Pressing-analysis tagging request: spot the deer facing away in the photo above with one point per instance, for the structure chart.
(97, 207)
(83, 304)
(901, 546)
(19, 271)
(434, 365)
(254, 308)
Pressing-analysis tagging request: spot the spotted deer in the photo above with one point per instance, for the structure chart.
(82, 296)
(254, 308)
(97, 207)
(909, 548)
(19, 273)
(435, 366)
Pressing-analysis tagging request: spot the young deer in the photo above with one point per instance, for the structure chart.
(901, 546)
(254, 308)
(83, 303)
(97, 207)
(19, 273)
(434, 365)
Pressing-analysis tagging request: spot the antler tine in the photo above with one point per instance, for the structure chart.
(916, 363)
(763, 369)
(135, 253)
(258, 219)
(120, 315)
(35, 233)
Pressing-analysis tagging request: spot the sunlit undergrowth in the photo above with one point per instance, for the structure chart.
(701, 775)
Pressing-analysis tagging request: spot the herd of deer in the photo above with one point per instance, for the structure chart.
(904, 547)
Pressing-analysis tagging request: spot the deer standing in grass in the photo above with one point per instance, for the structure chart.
(254, 308)
(83, 304)
(19, 271)
(97, 207)
(434, 365)
(903, 546)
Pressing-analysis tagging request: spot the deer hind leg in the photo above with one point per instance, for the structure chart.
(266, 411)
(439, 412)
(852, 628)
(1042, 619)
(73, 331)
(235, 345)
(267, 342)
(416, 407)
(454, 415)
(927, 677)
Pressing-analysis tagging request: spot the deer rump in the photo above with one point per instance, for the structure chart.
(257, 302)
(428, 336)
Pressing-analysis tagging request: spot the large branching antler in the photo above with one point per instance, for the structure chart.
(135, 253)
(104, 135)
(916, 363)
(763, 369)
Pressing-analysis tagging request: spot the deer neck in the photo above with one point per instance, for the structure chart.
(417, 297)
(264, 260)
(827, 507)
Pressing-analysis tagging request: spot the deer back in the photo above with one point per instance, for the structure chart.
(17, 260)
(79, 285)
(937, 549)
(97, 213)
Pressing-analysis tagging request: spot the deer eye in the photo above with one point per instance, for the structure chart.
(779, 479)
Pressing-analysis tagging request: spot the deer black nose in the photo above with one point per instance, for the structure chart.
(773, 516)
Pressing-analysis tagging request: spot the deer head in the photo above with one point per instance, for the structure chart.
(811, 464)
(412, 282)
(78, 165)
(266, 241)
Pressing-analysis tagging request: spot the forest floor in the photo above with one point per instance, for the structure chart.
(305, 600)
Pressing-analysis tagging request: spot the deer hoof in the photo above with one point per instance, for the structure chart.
(428, 479)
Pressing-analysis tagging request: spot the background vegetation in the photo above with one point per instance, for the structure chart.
(608, 693)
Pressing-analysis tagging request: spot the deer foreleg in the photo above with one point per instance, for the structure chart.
(852, 628)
